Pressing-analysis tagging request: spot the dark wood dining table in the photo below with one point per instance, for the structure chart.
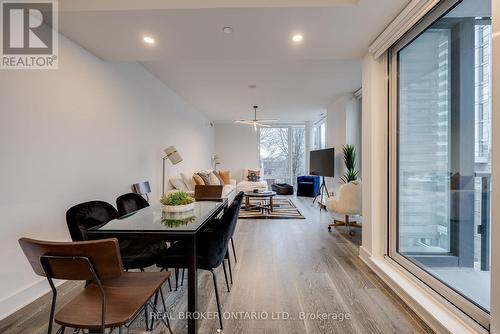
(152, 223)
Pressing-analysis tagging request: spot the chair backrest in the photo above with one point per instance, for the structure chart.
(129, 203)
(70, 260)
(207, 192)
(223, 231)
(349, 199)
(83, 216)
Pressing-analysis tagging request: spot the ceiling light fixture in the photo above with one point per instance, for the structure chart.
(227, 30)
(148, 40)
(297, 38)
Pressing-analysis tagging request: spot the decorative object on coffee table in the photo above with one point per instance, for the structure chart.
(173, 155)
(177, 202)
(282, 188)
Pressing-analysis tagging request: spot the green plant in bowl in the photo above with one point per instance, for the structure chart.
(178, 222)
(176, 198)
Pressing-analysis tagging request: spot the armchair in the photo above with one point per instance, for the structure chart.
(347, 202)
(308, 185)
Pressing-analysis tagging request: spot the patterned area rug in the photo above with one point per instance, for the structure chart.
(283, 208)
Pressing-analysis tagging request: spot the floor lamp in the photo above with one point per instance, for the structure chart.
(174, 157)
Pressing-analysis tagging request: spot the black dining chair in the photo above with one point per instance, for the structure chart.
(212, 248)
(136, 254)
(129, 203)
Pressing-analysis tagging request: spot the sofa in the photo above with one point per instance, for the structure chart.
(247, 185)
(184, 182)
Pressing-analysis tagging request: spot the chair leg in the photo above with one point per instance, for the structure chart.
(165, 311)
(146, 317)
(217, 300)
(169, 283)
(230, 270)
(176, 278)
(120, 330)
(225, 276)
(182, 276)
(234, 251)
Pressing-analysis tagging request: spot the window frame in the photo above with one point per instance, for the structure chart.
(456, 300)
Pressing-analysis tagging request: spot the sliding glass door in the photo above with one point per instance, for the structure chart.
(440, 153)
(282, 153)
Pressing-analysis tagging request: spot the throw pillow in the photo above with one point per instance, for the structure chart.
(217, 175)
(214, 179)
(178, 184)
(253, 175)
(225, 175)
(188, 181)
(205, 177)
(198, 180)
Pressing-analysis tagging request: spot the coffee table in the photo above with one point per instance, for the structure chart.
(267, 197)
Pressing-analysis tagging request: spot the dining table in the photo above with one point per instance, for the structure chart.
(154, 223)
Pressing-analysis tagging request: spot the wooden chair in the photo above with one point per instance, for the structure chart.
(111, 299)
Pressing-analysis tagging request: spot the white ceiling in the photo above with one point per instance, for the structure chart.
(212, 70)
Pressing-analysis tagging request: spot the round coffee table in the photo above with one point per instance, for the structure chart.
(266, 196)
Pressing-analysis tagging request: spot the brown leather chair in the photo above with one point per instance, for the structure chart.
(111, 299)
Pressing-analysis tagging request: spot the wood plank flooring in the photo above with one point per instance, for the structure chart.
(284, 267)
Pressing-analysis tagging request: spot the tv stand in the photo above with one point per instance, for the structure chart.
(322, 190)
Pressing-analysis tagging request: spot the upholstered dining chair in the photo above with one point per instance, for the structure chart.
(129, 203)
(136, 254)
(212, 248)
(111, 298)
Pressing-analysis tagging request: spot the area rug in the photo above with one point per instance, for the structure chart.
(283, 208)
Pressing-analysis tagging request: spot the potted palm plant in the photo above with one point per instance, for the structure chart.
(177, 201)
(351, 174)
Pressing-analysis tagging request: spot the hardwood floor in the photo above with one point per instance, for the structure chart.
(284, 267)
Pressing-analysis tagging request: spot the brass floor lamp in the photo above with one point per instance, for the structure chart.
(173, 155)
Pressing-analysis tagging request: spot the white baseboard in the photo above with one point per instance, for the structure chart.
(21, 298)
(430, 309)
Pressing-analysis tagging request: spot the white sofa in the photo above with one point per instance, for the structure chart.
(246, 185)
(184, 182)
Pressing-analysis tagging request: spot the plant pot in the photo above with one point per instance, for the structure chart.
(178, 208)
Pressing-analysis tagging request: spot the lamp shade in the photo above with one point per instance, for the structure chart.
(173, 155)
(142, 188)
(216, 159)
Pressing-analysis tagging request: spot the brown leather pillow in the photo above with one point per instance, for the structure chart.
(198, 180)
(225, 175)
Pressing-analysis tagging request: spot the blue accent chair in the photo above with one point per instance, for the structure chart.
(308, 185)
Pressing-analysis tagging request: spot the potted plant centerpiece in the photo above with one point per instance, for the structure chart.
(177, 201)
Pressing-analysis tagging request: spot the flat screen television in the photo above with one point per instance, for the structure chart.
(321, 162)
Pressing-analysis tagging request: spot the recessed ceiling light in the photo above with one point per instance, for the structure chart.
(297, 38)
(227, 30)
(148, 40)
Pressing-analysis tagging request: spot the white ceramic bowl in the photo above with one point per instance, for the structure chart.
(178, 208)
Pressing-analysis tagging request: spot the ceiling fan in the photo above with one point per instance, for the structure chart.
(257, 122)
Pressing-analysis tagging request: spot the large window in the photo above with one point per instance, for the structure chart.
(319, 135)
(282, 153)
(440, 153)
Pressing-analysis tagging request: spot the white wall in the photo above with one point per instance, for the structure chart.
(236, 144)
(343, 127)
(85, 131)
